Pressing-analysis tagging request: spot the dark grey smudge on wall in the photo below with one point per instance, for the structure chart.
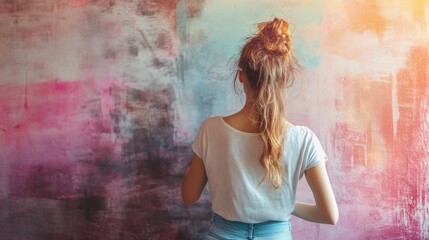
(154, 160)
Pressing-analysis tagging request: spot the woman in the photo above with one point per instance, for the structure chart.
(253, 159)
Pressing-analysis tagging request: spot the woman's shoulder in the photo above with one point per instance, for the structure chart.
(295, 127)
(210, 121)
(304, 136)
(300, 131)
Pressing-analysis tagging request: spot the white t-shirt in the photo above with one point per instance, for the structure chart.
(231, 159)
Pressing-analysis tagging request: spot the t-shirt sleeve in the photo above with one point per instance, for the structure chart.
(200, 142)
(314, 152)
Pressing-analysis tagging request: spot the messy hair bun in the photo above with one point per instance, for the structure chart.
(275, 36)
(267, 62)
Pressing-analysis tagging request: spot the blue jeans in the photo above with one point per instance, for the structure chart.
(223, 229)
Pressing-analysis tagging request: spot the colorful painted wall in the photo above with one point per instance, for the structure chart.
(100, 101)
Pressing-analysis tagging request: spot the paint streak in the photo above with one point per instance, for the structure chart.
(413, 81)
(369, 120)
(368, 147)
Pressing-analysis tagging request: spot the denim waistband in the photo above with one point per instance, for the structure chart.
(249, 230)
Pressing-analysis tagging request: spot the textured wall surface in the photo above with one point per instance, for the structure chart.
(100, 101)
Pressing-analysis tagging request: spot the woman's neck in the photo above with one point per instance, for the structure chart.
(250, 113)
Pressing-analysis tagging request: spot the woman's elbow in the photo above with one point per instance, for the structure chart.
(187, 200)
(333, 220)
(333, 217)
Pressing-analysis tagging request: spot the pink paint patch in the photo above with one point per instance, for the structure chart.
(385, 173)
(55, 122)
(78, 3)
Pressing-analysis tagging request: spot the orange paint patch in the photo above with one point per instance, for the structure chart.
(366, 16)
(418, 65)
(417, 8)
(412, 83)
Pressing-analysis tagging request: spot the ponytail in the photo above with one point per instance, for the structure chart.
(269, 66)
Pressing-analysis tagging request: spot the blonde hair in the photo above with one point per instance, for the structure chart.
(266, 60)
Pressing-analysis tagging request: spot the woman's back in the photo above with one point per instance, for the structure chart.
(231, 160)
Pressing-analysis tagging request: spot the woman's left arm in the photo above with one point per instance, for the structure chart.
(195, 180)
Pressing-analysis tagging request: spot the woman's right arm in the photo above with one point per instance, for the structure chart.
(325, 210)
